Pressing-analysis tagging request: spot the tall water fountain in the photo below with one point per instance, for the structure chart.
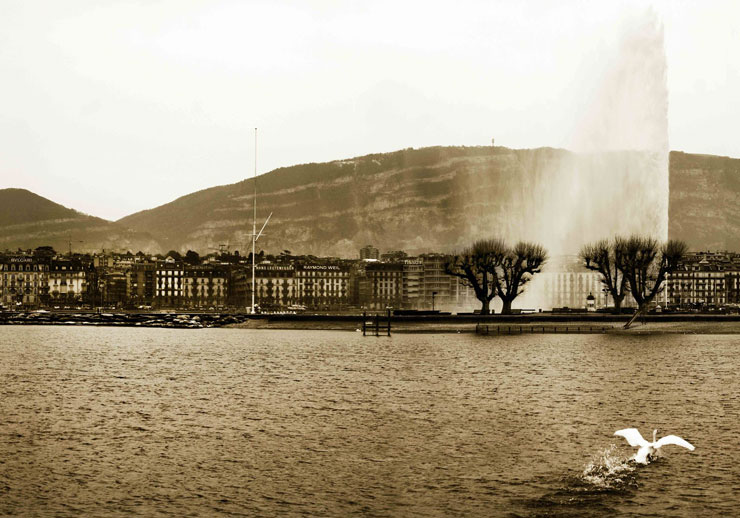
(616, 180)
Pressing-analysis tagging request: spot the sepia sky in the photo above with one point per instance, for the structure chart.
(112, 107)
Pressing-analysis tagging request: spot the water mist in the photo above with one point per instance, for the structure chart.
(615, 182)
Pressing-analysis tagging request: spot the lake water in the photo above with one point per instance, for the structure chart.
(122, 421)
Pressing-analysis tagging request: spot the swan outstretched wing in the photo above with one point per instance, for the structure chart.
(633, 437)
(673, 439)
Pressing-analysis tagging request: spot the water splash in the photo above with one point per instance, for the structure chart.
(608, 470)
(606, 479)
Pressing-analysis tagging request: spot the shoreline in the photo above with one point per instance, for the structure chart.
(490, 325)
(569, 327)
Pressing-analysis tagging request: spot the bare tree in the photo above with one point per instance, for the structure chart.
(516, 269)
(600, 257)
(645, 264)
(476, 266)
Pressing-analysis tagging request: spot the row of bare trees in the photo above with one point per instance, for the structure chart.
(636, 264)
(493, 269)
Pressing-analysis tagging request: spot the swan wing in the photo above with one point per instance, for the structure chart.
(633, 437)
(674, 439)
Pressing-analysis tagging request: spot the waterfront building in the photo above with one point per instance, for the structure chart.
(275, 285)
(113, 288)
(67, 281)
(413, 283)
(705, 279)
(385, 285)
(205, 286)
(359, 287)
(323, 286)
(168, 290)
(23, 281)
(278, 286)
(140, 284)
(440, 290)
(240, 288)
(732, 285)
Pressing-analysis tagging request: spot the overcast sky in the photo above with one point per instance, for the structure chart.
(113, 107)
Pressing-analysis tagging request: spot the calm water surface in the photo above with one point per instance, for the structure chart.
(158, 422)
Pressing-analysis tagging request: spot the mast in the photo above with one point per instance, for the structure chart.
(255, 235)
(254, 218)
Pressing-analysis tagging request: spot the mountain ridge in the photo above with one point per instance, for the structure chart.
(28, 220)
(427, 199)
(420, 184)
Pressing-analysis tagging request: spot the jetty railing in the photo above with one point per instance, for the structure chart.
(487, 329)
(373, 327)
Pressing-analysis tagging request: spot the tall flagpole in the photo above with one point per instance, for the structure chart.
(254, 218)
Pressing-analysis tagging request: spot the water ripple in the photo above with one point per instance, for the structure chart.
(114, 422)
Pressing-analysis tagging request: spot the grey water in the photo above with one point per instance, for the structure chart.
(230, 422)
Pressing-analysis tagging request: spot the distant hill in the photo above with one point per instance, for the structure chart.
(417, 200)
(705, 201)
(28, 220)
(19, 206)
(423, 199)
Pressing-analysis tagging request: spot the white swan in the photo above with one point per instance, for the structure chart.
(647, 449)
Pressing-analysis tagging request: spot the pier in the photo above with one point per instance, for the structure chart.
(372, 327)
(487, 329)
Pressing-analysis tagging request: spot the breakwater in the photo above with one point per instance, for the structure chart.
(167, 320)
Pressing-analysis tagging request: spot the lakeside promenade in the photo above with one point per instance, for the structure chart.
(697, 323)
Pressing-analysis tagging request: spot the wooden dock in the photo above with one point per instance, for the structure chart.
(498, 329)
(373, 326)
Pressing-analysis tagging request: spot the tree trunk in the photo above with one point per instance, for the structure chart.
(506, 309)
(618, 304)
(641, 309)
(485, 307)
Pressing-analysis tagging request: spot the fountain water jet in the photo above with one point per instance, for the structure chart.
(616, 180)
